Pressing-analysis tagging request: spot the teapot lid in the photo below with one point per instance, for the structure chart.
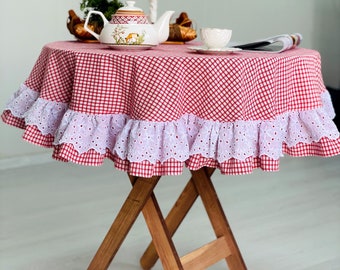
(129, 14)
(130, 7)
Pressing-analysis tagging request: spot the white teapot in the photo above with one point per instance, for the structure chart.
(130, 26)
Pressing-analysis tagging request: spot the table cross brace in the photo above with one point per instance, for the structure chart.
(142, 199)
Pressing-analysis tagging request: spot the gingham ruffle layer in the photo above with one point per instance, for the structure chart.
(147, 148)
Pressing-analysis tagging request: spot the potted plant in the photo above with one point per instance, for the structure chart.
(106, 7)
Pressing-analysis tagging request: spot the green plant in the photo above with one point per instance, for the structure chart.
(105, 6)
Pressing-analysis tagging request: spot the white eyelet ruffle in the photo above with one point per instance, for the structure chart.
(137, 140)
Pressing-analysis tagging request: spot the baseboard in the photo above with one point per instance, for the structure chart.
(23, 161)
(335, 95)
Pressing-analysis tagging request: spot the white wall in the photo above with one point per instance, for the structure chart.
(25, 28)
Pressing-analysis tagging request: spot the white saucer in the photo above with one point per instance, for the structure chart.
(205, 50)
(141, 47)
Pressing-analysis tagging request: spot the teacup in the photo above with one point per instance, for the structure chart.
(215, 38)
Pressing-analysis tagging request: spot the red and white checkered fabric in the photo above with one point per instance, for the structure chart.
(12, 120)
(164, 83)
(73, 81)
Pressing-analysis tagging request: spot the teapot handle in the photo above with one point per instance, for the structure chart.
(87, 22)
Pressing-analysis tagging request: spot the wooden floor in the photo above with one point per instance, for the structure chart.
(54, 216)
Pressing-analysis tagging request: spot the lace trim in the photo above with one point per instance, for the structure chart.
(45, 114)
(21, 101)
(137, 141)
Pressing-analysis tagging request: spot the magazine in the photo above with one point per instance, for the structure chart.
(273, 44)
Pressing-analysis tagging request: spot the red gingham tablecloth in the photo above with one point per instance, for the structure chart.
(153, 112)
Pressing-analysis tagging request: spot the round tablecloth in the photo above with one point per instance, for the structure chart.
(155, 111)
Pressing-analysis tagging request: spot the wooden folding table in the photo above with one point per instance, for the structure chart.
(142, 198)
(155, 112)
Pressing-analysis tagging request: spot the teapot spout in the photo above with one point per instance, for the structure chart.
(162, 26)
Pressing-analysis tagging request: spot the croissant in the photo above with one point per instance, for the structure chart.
(184, 20)
(182, 30)
(76, 27)
(181, 33)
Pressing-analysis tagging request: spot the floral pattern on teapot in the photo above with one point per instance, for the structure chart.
(122, 38)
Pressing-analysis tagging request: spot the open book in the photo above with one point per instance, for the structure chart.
(276, 44)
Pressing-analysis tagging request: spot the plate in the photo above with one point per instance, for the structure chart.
(205, 50)
(141, 47)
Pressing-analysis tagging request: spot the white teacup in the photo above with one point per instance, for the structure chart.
(215, 38)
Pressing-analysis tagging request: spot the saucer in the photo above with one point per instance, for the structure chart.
(123, 47)
(205, 50)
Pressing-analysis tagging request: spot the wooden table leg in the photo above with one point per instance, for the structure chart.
(175, 217)
(217, 218)
(160, 235)
(224, 247)
(142, 198)
(137, 198)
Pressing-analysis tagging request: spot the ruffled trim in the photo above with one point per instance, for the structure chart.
(21, 101)
(184, 141)
(66, 152)
(46, 115)
(138, 141)
(25, 108)
(8, 118)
